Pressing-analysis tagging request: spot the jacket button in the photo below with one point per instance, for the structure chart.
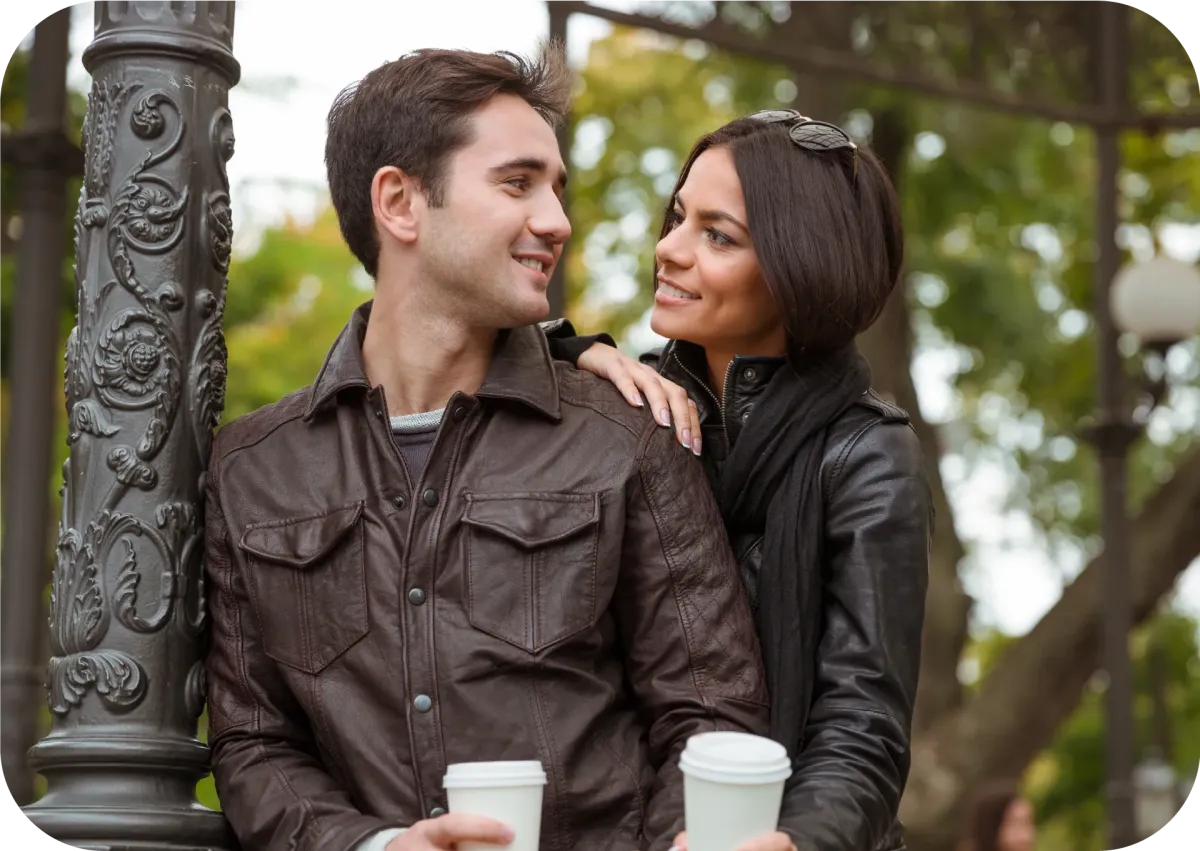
(749, 374)
(422, 703)
(459, 413)
(416, 596)
(398, 501)
(430, 497)
(436, 812)
(745, 416)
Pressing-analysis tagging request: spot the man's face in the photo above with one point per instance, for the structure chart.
(486, 255)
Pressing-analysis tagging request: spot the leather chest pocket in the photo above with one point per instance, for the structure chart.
(531, 566)
(307, 578)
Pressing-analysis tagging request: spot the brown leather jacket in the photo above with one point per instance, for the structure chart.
(556, 586)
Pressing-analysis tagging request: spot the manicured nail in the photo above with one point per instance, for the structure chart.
(687, 438)
(696, 447)
(637, 398)
(665, 417)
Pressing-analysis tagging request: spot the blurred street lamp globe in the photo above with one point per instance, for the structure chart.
(1156, 788)
(1158, 300)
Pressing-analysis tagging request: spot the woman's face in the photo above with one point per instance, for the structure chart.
(1017, 831)
(709, 288)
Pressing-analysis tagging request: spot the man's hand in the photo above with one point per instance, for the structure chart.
(442, 833)
(767, 842)
(669, 403)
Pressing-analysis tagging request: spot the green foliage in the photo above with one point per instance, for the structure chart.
(1000, 214)
(286, 304)
(1067, 783)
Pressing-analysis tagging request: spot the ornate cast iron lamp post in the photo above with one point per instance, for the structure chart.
(145, 382)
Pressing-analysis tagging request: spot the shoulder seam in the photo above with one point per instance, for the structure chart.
(839, 464)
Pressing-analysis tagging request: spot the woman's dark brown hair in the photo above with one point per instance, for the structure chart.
(987, 815)
(413, 113)
(830, 244)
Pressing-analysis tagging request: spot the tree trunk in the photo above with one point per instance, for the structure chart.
(1037, 682)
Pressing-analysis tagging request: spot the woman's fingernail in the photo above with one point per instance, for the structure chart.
(696, 447)
(637, 398)
(665, 417)
(687, 439)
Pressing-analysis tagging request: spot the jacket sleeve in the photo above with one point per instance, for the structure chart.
(852, 768)
(272, 784)
(566, 345)
(692, 654)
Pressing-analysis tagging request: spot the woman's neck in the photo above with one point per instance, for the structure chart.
(718, 369)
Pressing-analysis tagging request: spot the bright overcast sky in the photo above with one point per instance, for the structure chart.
(280, 141)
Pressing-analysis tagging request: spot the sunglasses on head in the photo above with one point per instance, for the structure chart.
(809, 134)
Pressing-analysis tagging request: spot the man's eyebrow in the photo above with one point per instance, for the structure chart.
(531, 164)
(715, 216)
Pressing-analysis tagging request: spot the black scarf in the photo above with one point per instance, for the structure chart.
(771, 481)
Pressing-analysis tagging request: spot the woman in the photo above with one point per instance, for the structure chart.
(1001, 820)
(781, 243)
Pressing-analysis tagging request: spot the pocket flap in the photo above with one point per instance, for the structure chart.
(303, 541)
(533, 520)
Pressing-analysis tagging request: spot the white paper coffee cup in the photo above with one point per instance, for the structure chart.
(510, 792)
(732, 788)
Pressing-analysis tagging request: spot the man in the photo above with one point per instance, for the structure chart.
(450, 548)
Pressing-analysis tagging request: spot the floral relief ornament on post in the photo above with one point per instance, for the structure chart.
(132, 363)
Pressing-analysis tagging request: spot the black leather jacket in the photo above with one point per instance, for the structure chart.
(851, 771)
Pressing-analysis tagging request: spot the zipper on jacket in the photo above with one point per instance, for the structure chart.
(720, 403)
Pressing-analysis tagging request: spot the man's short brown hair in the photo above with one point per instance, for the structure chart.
(414, 112)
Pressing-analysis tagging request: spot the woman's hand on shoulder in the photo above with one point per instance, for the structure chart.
(641, 385)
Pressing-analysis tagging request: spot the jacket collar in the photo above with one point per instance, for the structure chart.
(684, 363)
(522, 369)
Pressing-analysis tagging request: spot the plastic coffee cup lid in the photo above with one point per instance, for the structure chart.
(738, 758)
(490, 775)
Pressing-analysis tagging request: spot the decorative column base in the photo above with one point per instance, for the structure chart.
(139, 793)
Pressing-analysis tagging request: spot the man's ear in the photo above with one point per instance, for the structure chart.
(396, 202)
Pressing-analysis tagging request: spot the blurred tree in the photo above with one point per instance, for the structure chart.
(1066, 781)
(999, 212)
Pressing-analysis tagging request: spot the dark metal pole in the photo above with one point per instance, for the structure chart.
(145, 384)
(1115, 434)
(558, 281)
(40, 153)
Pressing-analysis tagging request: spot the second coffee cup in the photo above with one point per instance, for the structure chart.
(509, 792)
(732, 788)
